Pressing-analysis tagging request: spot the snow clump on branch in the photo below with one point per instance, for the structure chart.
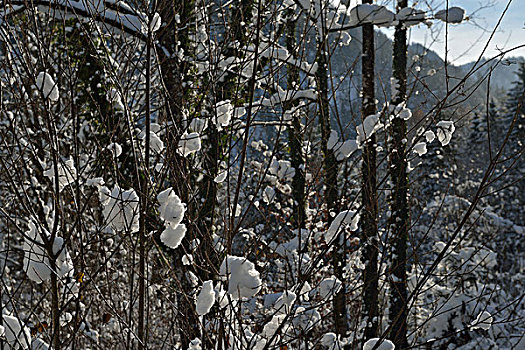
(444, 132)
(46, 84)
(205, 299)
(243, 279)
(452, 15)
(121, 209)
(378, 344)
(36, 261)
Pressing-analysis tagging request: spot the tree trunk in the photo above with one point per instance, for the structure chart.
(295, 139)
(400, 220)
(174, 37)
(369, 194)
(330, 182)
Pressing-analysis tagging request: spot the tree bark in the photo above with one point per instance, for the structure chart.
(295, 139)
(330, 182)
(369, 194)
(400, 220)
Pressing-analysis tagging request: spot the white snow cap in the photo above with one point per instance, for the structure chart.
(155, 23)
(420, 148)
(46, 84)
(205, 299)
(385, 344)
(155, 143)
(444, 131)
(195, 344)
(172, 235)
(36, 262)
(189, 144)
(121, 209)
(332, 341)
(368, 128)
(403, 112)
(16, 334)
(171, 207)
(243, 280)
(198, 124)
(224, 110)
(483, 321)
(329, 287)
(346, 218)
(114, 96)
(282, 169)
(284, 303)
(371, 13)
(115, 149)
(333, 139)
(410, 16)
(39, 344)
(430, 136)
(66, 173)
(268, 194)
(451, 15)
(345, 149)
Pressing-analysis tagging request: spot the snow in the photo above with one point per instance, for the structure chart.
(198, 125)
(36, 262)
(155, 143)
(410, 16)
(394, 87)
(451, 15)
(345, 39)
(46, 84)
(371, 13)
(367, 129)
(195, 344)
(420, 148)
(284, 303)
(189, 144)
(224, 110)
(114, 96)
(430, 136)
(205, 299)
(171, 208)
(121, 209)
(383, 345)
(332, 341)
(329, 287)
(268, 194)
(116, 18)
(444, 132)
(172, 235)
(67, 173)
(282, 169)
(39, 344)
(332, 140)
(155, 23)
(16, 334)
(345, 149)
(346, 218)
(187, 259)
(402, 112)
(483, 321)
(115, 149)
(243, 280)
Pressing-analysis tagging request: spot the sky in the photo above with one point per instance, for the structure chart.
(467, 40)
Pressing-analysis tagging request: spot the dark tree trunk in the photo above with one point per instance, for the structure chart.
(330, 183)
(400, 220)
(369, 194)
(173, 37)
(295, 138)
